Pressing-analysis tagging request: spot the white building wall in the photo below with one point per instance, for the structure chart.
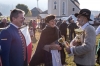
(49, 6)
(43, 15)
(70, 8)
(51, 9)
(59, 10)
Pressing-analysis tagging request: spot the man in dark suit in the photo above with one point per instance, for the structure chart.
(63, 29)
(59, 23)
(4, 23)
(72, 26)
(12, 41)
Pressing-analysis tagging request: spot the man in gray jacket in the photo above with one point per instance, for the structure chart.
(84, 53)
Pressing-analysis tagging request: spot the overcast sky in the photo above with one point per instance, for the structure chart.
(93, 5)
(43, 4)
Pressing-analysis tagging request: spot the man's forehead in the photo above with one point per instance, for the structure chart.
(21, 15)
(80, 16)
(4, 19)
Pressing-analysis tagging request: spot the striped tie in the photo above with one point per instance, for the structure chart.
(23, 43)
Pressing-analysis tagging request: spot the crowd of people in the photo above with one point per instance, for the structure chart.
(49, 51)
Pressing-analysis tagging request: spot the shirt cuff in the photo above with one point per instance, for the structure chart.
(71, 49)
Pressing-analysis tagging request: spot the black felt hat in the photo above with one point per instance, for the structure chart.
(84, 12)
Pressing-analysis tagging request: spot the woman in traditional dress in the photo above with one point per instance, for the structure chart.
(49, 52)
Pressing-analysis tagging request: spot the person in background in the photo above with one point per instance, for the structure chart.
(31, 32)
(30, 23)
(84, 52)
(4, 23)
(63, 29)
(49, 52)
(58, 23)
(34, 23)
(69, 19)
(98, 47)
(12, 41)
(98, 30)
(72, 26)
(42, 24)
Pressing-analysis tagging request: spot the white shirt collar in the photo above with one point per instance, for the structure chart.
(84, 26)
(14, 25)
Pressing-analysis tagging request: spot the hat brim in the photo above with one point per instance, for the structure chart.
(77, 14)
(90, 20)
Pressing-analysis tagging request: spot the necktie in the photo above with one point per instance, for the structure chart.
(23, 43)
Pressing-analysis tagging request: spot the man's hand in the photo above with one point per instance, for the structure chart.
(74, 43)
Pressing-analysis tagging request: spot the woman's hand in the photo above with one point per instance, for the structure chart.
(55, 47)
(52, 46)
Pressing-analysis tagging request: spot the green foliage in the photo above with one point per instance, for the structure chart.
(29, 14)
(23, 7)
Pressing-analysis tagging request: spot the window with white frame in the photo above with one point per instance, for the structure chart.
(73, 9)
(55, 5)
(63, 8)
